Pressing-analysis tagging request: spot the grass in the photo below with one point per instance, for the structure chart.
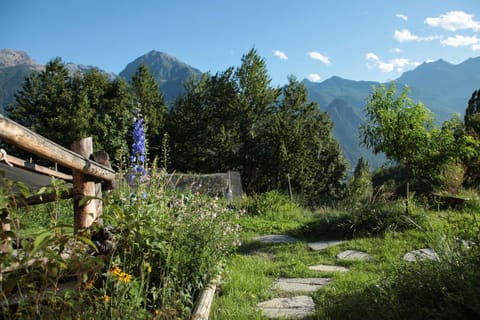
(384, 288)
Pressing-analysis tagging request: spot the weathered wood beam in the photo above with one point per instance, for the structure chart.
(30, 166)
(30, 141)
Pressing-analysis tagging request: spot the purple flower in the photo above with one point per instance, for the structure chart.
(138, 147)
(137, 158)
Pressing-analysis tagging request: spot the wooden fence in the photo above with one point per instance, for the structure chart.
(87, 174)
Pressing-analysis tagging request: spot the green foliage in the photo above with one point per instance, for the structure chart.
(152, 108)
(270, 204)
(359, 187)
(378, 218)
(406, 133)
(472, 135)
(398, 127)
(168, 247)
(66, 109)
(233, 120)
(472, 115)
(203, 125)
(301, 150)
(173, 243)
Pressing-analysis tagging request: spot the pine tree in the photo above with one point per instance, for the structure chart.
(256, 99)
(65, 109)
(152, 107)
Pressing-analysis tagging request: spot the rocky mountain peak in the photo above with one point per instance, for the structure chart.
(11, 58)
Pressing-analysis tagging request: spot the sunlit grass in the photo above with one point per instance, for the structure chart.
(371, 289)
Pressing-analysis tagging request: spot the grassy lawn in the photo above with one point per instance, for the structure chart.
(372, 289)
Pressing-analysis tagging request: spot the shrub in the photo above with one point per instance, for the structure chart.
(173, 244)
(270, 204)
(168, 247)
(381, 217)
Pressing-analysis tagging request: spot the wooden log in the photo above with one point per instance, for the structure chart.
(202, 309)
(28, 140)
(30, 166)
(85, 213)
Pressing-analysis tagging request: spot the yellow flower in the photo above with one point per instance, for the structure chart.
(116, 271)
(106, 298)
(125, 277)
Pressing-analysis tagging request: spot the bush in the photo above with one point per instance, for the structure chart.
(381, 217)
(270, 204)
(168, 247)
(173, 244)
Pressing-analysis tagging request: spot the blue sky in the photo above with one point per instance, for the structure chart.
(315, 39)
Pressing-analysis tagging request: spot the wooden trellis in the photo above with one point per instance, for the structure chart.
(87, 174)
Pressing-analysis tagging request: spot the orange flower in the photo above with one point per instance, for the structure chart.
(116, 271)
(106, 298)
(125, 277)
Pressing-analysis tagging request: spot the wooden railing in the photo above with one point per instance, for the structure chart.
(86, 173)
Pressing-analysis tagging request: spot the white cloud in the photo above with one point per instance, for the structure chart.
(476, 47)
(453, 21)
(280, 54)
(398, 64)
(396, 50)
(370, 56)
(460, 41)
(401, 16)
(315, 77)
(318, 56)
(404, 35)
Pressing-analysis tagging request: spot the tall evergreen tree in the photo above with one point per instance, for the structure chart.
(300, 148)
(256, 98)
(187, 127)
(45, 104)
(472, 115)
(65, 109)
(472, 129)
(152, 107)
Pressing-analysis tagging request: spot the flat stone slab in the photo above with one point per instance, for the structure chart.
(295, 307)
(326, 268)
(353, 255)
(275, 238)
(301, 284)
(422, 254)
(320, 245)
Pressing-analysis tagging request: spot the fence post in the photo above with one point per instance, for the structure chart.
(84, 186)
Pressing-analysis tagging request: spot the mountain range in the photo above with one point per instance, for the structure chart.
(443, 87)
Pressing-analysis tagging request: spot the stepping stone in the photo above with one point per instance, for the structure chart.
(294, 308)
(301, 284)
(422, 254)
(275, 238)
(325, 268)
(320, 245)
(353, 255)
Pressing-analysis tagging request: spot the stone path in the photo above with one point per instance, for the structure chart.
(422, 254)
(325, 268)
(299, 307)
(275, 238)
(301, 284)
(353, 255)
(295, 307)
(320, 245)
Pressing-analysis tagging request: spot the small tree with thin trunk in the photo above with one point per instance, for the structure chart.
(399, 128)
